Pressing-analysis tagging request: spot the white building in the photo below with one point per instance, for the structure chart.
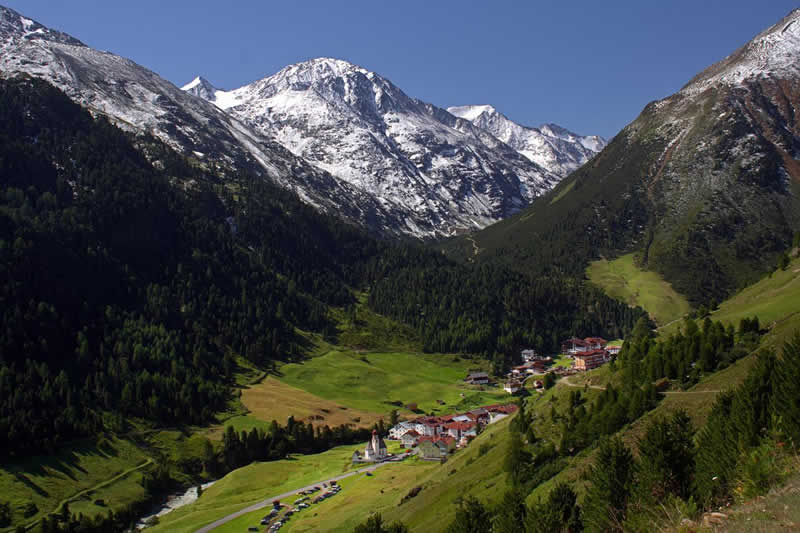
(400, 429)
(376, 448)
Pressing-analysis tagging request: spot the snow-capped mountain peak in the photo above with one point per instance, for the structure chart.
(471, 112)
(550, 146)
(443, 173)
(15, 26)
(201, 87)
(773, 52)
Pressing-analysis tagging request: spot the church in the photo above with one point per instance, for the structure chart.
(376, 448)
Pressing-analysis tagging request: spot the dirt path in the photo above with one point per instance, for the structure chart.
(264, 503)
(568, 383)
(475, 248)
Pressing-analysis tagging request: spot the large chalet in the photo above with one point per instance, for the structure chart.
(575, 345)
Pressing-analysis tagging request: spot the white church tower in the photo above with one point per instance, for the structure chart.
(376, 448)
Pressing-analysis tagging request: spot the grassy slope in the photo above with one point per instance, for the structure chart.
(623, 280)
(697, 401)
(109, 469)
(254, 483)
(366, 330)
(775, 300)
(467, 472)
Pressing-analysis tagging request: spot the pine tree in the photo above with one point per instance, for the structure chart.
(511, 512)
(471, 517)
(786, 399)
(666, 463)
(717, 453)
(610, 482)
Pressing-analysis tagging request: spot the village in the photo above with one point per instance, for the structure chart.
(434, 438)
(585, 354)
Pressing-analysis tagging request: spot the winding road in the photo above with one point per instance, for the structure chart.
(267, 502)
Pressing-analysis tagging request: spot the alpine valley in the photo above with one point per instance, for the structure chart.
(315, 303)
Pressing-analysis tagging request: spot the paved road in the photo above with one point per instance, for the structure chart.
(268, 501)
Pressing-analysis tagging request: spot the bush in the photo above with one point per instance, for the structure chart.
(759, 470)
(412, 493)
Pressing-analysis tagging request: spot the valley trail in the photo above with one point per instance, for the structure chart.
(268, 501)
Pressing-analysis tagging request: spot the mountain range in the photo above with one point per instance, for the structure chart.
(344, 139)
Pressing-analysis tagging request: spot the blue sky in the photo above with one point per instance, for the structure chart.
(588, 66)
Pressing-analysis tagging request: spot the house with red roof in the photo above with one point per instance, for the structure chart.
(410, 438)
(590, 359)
(458, 429)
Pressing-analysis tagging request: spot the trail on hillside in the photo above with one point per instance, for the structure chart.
(568, 383)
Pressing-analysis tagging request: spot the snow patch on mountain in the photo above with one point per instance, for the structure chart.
(555, 148)
(775, 52)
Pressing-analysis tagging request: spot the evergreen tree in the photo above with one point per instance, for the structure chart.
(666, 462)
(786, 401)
(511, 513)
(375, 524)
(471, 517)
(610, 483)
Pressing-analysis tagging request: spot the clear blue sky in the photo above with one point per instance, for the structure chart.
(589, 66)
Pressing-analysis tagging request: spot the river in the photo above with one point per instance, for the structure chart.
(173, 502)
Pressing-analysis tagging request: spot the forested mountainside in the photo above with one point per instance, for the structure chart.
(136, 279)
(703, 184)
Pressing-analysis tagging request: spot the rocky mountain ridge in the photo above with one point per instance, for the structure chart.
(550, 146)
(409, 154)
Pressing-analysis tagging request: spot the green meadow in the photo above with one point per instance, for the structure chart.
(378, 382)
(623, 280)
(775, 300)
